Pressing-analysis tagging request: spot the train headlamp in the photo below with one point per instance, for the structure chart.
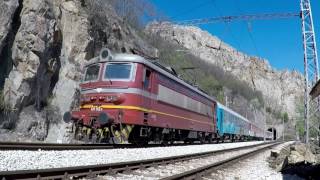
(105, 55)
(115, 99)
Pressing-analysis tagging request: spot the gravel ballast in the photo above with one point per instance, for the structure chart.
(255, 167)
(168, 170)
(26, 160)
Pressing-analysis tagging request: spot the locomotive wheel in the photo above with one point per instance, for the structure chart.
(94, 138)
(188, 141)
(100, 139)
(165, 139)
(202, 140)
(139, 141)
(86, 138)
(172, 142)
(136, 139)
(210, 138)
(77, 132)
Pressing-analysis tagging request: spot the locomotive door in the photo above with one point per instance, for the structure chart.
(147, 88)
(220, 120)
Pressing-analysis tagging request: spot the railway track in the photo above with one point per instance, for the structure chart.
(203, 171)
(114, 168)
(58, 146)
(64, 146)
(51, 146)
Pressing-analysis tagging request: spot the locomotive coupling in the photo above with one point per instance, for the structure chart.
(103, 118)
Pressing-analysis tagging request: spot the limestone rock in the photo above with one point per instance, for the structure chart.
(54, 40)
(7, 10)
(295, 157)
(301, 153)
(29, 55)
(280, 88)
(33, 124)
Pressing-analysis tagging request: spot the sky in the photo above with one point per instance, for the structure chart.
(277, 40)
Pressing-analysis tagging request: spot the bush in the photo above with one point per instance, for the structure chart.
(136, 13)
(285, 117)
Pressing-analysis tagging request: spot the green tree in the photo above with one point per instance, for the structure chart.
(300, 118)
(285, 117)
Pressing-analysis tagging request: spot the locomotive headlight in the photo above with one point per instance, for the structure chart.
(84, 99)
(105, 55)
(115, 99)
(81, 98)
(111, 98)
(119, 99)
(93, 98)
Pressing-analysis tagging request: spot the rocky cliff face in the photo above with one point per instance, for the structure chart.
(280, 88)
(46, 43)
(8, 12)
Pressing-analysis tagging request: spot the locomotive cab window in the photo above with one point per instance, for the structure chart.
(146, 78)
(118, 71)
(92, 73)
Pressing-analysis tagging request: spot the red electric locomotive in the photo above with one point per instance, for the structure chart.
(126, 98)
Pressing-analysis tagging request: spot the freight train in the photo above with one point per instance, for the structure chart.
(128, 98)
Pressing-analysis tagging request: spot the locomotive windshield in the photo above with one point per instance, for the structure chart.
(118, 71)
(92, 72)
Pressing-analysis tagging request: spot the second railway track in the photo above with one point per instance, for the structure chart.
(202, 171)
(113, 168)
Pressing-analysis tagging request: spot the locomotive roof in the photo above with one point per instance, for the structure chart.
(124, 57)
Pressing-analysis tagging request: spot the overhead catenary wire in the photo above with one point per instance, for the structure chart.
(249, 30)
(227, 26)
(263, 16)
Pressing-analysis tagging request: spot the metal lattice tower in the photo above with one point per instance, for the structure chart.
(311, 69)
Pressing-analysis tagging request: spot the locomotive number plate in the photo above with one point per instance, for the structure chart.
(96, 108)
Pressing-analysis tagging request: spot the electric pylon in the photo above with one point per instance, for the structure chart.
(311, 69)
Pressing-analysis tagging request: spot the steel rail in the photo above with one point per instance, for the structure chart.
(204, 170)
(65, 146)
(32, 146)
(55, 146)
(112, 168)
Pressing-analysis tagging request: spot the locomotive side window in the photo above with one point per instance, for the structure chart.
(119, 71)
(147, 77)
(92, 72)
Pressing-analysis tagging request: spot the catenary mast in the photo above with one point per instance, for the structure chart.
(311, 69)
